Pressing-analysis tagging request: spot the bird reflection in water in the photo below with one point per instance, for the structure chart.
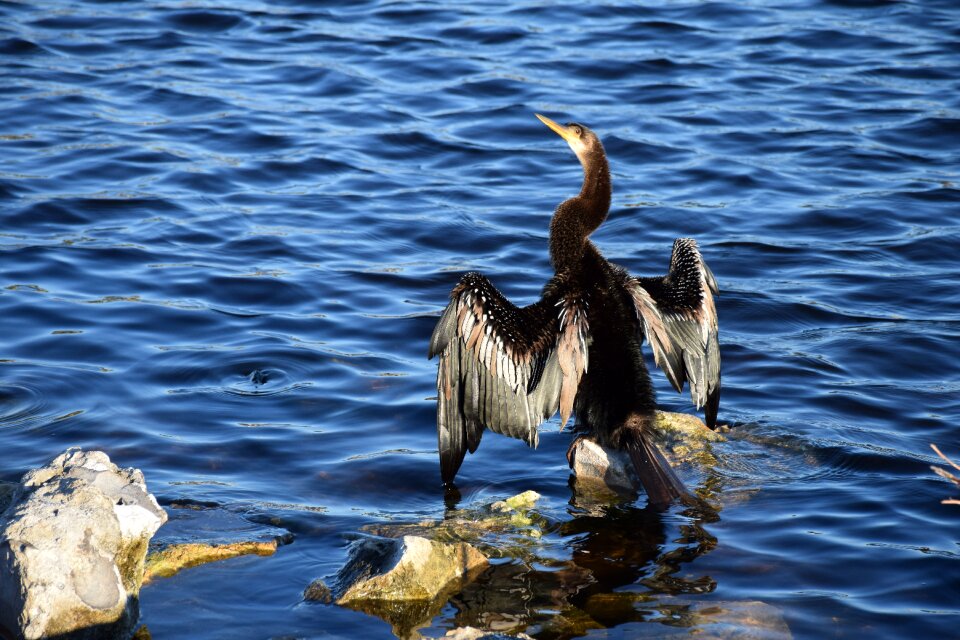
(612, 564)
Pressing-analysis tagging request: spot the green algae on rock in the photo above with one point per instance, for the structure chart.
(506, 528)
(686, 439)
(174, 558)
(405, 581)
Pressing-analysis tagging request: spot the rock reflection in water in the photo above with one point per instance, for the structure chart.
(611, 547)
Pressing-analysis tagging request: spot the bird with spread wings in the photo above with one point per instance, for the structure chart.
(576, 350)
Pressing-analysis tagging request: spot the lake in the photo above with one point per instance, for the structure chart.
(229, 228)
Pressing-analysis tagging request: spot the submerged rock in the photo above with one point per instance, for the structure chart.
(676, 617)
(744, 620)
(174, 558)
(72, 546)
(202, 532)
(505, 528)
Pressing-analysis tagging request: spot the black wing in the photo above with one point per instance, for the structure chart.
(502, 367)
(680, 322)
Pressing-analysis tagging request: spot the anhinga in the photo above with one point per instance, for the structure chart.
(577, 349)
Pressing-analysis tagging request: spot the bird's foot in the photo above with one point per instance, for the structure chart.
(572, 449)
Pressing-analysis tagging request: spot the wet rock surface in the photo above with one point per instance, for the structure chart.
(73, 539)
(174, 558)
(407, 568)
(502, 529)
(594, 464)
(403, 580)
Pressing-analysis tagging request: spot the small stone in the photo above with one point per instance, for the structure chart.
(72, 546)
(614, 469)
(318, 591)
(520, 502)
(405, 581)
(407, 568)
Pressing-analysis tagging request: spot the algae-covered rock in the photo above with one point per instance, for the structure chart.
(172, 559)
(72, 548)
(505, 528)
(407, 568)
(203, 532)
(518, 503)
(686, 439)
(405, 581)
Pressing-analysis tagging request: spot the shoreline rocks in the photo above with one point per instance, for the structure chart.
(73, 540)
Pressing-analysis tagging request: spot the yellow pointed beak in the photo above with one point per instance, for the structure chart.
(564, 132)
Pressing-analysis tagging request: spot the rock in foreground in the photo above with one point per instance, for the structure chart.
(407, 568)
(72, 547)
(402, 580)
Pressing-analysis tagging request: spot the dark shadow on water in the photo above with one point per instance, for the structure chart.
(622, 559)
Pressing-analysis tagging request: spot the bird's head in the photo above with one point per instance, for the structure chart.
(582, 140)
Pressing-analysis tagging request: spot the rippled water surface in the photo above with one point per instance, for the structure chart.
(228, 229)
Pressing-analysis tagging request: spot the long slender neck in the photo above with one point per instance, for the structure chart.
(578, 217)
(596, 184)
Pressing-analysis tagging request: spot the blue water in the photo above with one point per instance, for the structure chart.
(228, 229)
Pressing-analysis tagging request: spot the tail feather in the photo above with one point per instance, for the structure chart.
(657, 476)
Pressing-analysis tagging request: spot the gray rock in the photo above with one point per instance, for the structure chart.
(72, 545)
(593, 463)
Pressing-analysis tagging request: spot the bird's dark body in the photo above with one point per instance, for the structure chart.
(577, 349)
(615, 390)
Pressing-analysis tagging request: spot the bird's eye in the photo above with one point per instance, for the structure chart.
(578, 131)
